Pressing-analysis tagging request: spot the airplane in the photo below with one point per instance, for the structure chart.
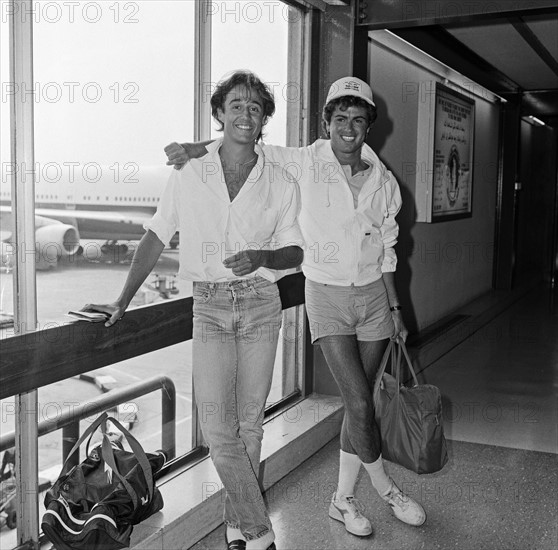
(108, 203)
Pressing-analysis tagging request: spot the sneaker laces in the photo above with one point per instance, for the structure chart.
(399, 499)
(354, 506)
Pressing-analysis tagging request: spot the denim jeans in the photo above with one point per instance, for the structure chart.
(236, 329)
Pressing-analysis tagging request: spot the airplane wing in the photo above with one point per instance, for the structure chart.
(104, 225)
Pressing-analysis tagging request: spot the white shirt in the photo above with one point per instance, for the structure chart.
(344, 245)
(196, 203)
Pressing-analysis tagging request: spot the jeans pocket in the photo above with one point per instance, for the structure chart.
(267, 292)
(201, 295)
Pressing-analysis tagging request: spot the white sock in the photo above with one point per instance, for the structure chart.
(349, 466)
(234, 534)
(261, 543)
(378, 476)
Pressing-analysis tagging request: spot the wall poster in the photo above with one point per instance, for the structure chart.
(454, 129)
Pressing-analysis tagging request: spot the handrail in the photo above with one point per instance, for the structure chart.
(69, 420)
(35, 359)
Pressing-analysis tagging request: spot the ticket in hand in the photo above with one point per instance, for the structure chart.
(92, 317)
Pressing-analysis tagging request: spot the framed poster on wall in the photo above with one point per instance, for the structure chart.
(452, 165)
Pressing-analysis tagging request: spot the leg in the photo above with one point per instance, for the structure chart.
(255, 371)
(404, 508)
(358, 442)
(215, 381)
(257, 336)
(257, 339)
(360, 434)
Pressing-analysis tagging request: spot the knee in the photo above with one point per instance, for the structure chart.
(251, 432)
(223, 447)
(219, 432)
(359, 409)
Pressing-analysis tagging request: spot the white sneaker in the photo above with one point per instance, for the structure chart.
(404, 507)
(348, 511)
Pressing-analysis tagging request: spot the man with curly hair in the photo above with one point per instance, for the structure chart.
(237, 218)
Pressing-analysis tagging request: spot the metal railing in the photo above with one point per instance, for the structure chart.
(69, 420)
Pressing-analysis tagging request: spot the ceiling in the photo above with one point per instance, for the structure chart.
(513, 53)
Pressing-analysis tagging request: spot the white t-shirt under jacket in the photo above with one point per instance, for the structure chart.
(344, 245)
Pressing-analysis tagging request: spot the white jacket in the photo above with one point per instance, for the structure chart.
(344, 245)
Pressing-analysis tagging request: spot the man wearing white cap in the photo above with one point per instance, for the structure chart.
(349, 204)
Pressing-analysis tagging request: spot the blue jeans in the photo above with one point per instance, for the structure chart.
(236, 329)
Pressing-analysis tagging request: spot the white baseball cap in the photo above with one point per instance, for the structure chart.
(350, 85)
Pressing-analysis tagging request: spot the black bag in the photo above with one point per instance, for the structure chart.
(95, 505)
(410, 419)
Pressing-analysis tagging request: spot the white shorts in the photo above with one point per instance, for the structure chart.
(346, 310)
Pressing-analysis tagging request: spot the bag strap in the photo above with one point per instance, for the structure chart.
(382, 368)
(87, 433)
(396, 363)
(394, 350)
(108, 457)
(408, 360)
(139, 453)
(108, 454)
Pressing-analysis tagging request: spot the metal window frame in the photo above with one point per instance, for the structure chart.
(25, 294)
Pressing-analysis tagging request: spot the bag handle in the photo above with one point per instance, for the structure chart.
(382, 368)
(87, 433)
(408, 359)
(396, 359)
(109, 456)
(138, 451)
(396, 364)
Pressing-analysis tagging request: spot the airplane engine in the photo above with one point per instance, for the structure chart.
(56, 240)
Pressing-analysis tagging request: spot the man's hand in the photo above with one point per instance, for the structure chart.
(114, 311)
(400, 329)
(177, 155)
(245, 262)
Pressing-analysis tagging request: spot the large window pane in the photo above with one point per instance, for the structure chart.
(254, 36)
(6, 252)
(113, 85)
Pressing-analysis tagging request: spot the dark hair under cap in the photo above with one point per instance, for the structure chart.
(252, 83)
(344, 103)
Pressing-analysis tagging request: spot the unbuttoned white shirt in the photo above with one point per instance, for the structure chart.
(196, 202)
(344, 245)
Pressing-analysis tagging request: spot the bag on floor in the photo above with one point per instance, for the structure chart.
(95, 504)
(409, 418)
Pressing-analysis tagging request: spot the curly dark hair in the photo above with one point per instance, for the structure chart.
(252, 83)
(344, 103)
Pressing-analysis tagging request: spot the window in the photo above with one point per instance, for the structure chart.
(113, 84)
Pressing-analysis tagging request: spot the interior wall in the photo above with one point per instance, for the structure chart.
(444, 265)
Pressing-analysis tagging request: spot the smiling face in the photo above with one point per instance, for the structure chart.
(242, 115)
(347, 129)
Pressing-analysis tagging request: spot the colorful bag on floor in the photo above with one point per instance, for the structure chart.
(95, 504)
(409, 418)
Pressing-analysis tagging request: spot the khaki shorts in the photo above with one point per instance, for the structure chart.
(346, 310)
